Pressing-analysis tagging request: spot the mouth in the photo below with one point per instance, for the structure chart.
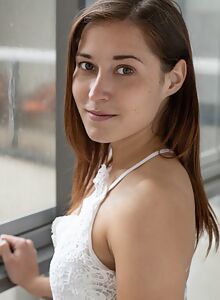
(100, 113)
(98, 116)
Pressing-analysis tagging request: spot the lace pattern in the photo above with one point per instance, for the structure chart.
(100, 181)
(75, 273)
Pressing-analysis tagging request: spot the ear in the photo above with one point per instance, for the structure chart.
(175, 78)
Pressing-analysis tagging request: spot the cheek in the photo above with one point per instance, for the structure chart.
(75, 92)
(143, 100)
(78, 92)
(75, 86)
(142, 107)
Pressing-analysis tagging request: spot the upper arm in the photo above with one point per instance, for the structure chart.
(148, 240)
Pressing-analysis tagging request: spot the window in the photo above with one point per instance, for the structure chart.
(204, 27)
(203, 23)
(35, 161)
(27, 108)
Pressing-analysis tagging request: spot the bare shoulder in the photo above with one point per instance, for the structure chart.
(153, 234)
(162, 184)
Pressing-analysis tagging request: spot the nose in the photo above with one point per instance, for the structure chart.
(99, 88)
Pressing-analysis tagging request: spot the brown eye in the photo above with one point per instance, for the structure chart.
(85, 66)
(126, 70)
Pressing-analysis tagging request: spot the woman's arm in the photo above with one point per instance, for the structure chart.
(20, 259)
(40, 287)
(150, 239)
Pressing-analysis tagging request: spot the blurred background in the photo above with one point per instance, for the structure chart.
(28, 109)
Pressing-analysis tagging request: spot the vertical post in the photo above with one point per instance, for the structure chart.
(65, 11)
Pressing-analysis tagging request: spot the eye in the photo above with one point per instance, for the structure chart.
(126, 70)
(86, 66)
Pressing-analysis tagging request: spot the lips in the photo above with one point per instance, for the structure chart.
(100, 113)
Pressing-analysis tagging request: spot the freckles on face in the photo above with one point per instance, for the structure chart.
(143, 100)
(99, 85)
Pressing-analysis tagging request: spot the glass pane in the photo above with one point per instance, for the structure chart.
(88, 2)
(203, 22)
(27, 107)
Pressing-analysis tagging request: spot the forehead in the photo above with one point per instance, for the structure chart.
(113, 37)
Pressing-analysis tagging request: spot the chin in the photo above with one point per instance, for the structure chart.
(98, 138)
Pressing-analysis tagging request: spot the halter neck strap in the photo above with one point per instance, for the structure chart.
(117, 180)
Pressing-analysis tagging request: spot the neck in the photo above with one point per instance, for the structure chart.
(130, 150)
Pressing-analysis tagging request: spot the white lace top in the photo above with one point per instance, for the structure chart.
(75, 270)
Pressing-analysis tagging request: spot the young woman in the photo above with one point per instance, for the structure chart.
(138, 205)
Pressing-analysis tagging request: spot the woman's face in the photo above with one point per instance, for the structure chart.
(108, 80)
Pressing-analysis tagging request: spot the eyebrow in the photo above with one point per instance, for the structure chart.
(115, 57)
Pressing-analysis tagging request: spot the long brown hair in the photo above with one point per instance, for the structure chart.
(165, 32)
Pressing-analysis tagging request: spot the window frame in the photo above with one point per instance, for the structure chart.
(37, 226)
